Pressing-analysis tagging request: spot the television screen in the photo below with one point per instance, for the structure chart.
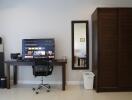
(38, 48)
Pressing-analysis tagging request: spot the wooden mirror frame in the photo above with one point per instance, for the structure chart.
(87, 44)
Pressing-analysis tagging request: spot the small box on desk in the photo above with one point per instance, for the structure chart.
(3, 82)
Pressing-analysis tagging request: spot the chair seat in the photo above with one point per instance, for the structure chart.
(42, 70)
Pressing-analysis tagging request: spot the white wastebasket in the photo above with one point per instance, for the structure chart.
(88, 80)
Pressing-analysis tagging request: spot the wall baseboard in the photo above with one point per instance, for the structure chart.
(50, 82)
(74, 82)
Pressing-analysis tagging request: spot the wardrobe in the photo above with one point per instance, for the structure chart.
(112, 49)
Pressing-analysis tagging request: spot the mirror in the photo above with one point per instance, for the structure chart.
(80, 50)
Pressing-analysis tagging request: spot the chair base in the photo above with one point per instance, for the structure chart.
(46, 86)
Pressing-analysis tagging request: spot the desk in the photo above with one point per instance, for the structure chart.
(16, 64)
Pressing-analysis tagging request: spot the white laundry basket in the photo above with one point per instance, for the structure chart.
(88, 80)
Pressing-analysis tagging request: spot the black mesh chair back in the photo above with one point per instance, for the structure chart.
(42, 68)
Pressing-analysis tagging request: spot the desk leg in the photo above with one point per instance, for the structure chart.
(63, 76)
(15, 74)
(8, 76)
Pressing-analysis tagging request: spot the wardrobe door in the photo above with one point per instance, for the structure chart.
(108, 48)
(125, 47)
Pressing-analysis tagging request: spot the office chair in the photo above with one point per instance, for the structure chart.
(42, 68)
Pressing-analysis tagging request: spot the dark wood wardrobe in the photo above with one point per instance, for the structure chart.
(112, 49)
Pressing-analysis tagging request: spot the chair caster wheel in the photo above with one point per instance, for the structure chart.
(48, 90)
(37, 92)
(33, 89)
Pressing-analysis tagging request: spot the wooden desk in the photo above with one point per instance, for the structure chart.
(16, 64)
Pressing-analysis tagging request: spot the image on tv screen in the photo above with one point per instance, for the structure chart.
(38, 48)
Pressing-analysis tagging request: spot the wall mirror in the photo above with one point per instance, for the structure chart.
(80, 48)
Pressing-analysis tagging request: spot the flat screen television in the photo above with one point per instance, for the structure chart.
(38, 48)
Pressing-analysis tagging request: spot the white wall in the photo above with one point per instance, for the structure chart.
(45, 18)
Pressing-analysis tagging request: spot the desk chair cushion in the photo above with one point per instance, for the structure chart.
(42, 68)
